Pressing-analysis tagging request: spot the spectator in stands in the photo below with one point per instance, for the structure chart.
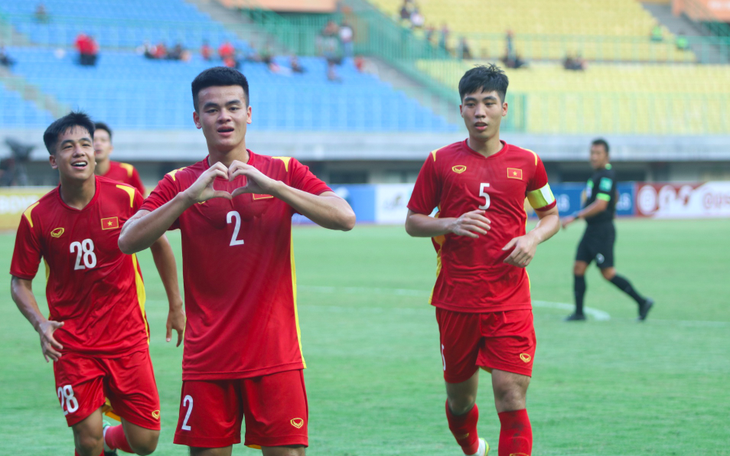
(514, 62)
(510, 45)
(295, 66)
(159, 52)
(576, 63)
(417, 19)
(444, 37)
(147, 50)
(682, 42)
(227, 51)
(88, 49)
(41, 15)
(405, 13)
(430, 33)
(206, 51)
(346, 38)
(5, 60)
(177, 52)
(657, 34)
(464, 52)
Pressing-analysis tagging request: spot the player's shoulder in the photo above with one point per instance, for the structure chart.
(608, 172)
(113, 190)
(45, 204)
(287, 163)
(192, 171)
(126, 167)
(446, 152)
(523, 153)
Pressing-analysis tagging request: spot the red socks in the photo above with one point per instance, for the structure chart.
(464, 428)
(115, 438)
(515, 437)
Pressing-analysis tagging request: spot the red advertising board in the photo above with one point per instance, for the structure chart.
(697, 200)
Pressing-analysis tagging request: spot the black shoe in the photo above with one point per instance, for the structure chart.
(575, 317)
(645, 308)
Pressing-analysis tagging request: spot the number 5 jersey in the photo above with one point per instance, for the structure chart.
(238, 270)
(471, 273)
(92, 287)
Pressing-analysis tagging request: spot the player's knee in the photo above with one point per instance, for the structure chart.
(461, 405)
(145, 444)
(608, 273)
(579, 269)
(89, 445)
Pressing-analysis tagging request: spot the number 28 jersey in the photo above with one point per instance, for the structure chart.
(471, 273)
(238, 270)
(92, 287)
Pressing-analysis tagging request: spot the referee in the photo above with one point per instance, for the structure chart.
(600, 235)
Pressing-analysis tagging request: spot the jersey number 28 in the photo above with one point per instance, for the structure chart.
(84, 251)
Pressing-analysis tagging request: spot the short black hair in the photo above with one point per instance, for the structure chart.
(218, 76)
(601, 142)
(105, 127)
(62, 125)
(487, 78)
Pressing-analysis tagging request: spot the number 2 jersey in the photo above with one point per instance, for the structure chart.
(471, 273)
(238, 269)
(91, 286)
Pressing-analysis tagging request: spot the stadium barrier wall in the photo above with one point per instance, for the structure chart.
(667, 200)
(14, 201)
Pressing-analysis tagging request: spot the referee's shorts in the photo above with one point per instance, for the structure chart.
(597, 244)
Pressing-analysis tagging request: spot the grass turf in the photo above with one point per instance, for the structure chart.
(374, 378)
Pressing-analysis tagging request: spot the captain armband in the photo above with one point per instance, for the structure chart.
(542, 198)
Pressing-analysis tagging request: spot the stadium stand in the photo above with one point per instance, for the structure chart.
(18, 112)
(634, 99)
(129, 91)
(550, 29)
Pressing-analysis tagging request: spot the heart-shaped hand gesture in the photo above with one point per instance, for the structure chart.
(256, 182)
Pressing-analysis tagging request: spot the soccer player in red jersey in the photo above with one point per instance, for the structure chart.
(482, 291)
(243, 354)
(122, 172)
(97, 333)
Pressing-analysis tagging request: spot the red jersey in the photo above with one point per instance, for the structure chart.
(92, 287)
(238, 270)
(124, 172)
(471, 273)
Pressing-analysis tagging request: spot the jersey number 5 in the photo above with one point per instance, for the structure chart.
(483, 192)
(84, 251)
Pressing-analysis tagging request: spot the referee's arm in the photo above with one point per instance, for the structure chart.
(595, 208)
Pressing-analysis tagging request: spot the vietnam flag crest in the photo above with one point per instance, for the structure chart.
(514, 173)
(109, 223)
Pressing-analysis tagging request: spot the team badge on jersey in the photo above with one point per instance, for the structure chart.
(458, 169)
(57, 232)
(297, 422)
(109, 223)
(514, 173)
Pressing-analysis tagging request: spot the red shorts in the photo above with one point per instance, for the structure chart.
(492, 340)
(274, 406)
(83, 383)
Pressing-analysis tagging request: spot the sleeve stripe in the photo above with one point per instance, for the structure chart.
(541, 197)
(28, 211)
(603, 196)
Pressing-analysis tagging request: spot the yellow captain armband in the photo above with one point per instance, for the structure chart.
(541, 197)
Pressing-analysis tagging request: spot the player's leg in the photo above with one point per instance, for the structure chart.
(225, 451)
(132, 392)
(583, 258)
(605, 261)
(508, 351)
(510, 398)
(88, 438)
(460, 337)
(276, 413)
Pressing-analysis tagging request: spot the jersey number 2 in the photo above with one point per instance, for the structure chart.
(230, 217)
(84, 251)
(483, 192)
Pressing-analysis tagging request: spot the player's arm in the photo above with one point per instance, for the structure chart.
(22, 292)
(526, 246)
(146, 227)
(470, 224)
(326, 209)
(595, 208)
(167, 268)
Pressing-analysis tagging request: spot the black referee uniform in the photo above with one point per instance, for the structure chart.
(598, 241)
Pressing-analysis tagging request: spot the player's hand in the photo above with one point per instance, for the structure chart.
(202, 189)
(256, 181)
(471, 224)
(49, 344)
(524, 250)
(567, 221)
(176, 321)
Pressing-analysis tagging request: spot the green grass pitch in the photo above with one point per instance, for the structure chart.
(611, 388)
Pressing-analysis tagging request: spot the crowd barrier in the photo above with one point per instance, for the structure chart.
(387, 203)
